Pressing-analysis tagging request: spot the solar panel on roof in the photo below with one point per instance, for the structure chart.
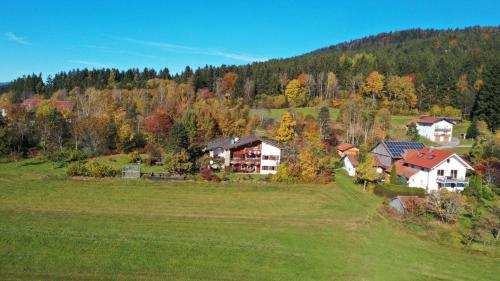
(398, 148)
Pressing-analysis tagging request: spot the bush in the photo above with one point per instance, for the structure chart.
(206, 174)
(77, 169)
(91, 169)
(99, 170)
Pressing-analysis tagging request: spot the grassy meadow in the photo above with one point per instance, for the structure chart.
(55, 228)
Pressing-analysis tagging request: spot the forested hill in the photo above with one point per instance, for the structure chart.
(441, 63)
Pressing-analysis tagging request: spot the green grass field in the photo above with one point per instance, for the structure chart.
(278, 112)
(54, 228)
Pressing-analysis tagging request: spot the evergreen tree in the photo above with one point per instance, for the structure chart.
(324, 123)
(487, 106)
(394, 175)
(473, 130)
(178, 139)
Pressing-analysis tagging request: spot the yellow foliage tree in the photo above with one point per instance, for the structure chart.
(374, 85)
(365, 172)
(402, 93)
(308, 165)
(286, 131)
(296, 93)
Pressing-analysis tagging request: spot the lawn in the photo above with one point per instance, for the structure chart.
(278, 112)
(54, 228)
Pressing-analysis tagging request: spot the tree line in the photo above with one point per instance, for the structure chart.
(447, 67)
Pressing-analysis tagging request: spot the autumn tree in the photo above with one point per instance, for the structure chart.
(229, 83)
(446, 205)
(126, 138)
(331, 84)
(365, 172)
(308, 165)
(158, 125)
(401, 91)
(374, 85)
(296, 93)
(286, 131)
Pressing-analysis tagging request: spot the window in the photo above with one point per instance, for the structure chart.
(270, 157)
(454, 174)
(269, 168)
(441, 173)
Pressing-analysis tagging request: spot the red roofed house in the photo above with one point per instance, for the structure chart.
(433, 169)
(346, 148)
(436, 129)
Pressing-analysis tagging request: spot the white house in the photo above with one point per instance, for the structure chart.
(436, 129)
(433, 169)
(250, 154)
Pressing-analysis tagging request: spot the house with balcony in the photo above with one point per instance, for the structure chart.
(433, 169)
(436, 129)
(250, 154)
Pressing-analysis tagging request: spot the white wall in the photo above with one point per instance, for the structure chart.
(351, 171)
(269, 150)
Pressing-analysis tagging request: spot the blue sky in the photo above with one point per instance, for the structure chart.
(50, 36)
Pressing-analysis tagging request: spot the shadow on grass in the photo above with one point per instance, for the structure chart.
(32, 163)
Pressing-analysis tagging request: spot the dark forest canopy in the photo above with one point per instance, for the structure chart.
(444, 65)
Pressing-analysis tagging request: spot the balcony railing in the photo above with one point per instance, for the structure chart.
(444, 130)
(450, 180)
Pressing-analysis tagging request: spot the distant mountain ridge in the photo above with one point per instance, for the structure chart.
(435, 59)
(387, 38)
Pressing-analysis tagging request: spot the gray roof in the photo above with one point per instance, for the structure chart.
(229, 143)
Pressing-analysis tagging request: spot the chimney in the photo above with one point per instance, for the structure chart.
(430, 148)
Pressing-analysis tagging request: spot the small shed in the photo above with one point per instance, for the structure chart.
(131, 172)
(403, 204)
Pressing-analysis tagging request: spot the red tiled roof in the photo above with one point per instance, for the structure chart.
(427, 120)
(427, 158)
(353, 159)
(344, 146)
(402, 170)
(377, 163)
(30, 103)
